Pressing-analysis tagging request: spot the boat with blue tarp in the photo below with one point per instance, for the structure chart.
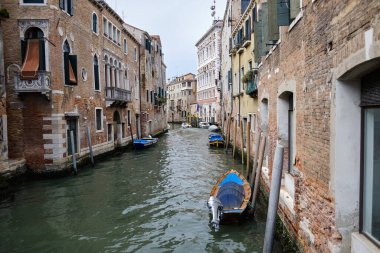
(229, 198)
(144, 142)
(215, 140)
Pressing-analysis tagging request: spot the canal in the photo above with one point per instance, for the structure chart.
(152, 200)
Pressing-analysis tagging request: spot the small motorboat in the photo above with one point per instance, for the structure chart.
(214, 128)
(215, 140)
(204, 125)
(186, 125)
(228, 198)
(144, 142)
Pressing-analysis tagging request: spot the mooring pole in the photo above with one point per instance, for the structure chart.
(255, 156)
(273, 199)
(248, 145)
(90, 146)
(73, 152)
(235, 132)
(258, 170)
(242, 140)
(228, 136)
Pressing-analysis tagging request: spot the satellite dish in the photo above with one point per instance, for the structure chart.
(213, 13)
(212, 7)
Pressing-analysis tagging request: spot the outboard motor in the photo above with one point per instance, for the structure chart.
(216, 209)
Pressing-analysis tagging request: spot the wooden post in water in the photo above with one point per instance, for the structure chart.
(235, 132)
(248, 145)
(228, 136)
(90, 146)
(273, 199)
(255, 156)
(73, 152)
(242, 140)
(258, 170)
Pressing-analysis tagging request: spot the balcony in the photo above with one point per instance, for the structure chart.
(247, 42)
(251, 88)
(118, 96)
(40, 85)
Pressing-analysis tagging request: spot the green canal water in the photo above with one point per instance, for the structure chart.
(152, 200)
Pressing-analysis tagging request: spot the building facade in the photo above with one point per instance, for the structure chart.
(319, 87)
(75, 73)
(181, 95)
(244, 72)
(153, 82)
(208, 79)
(231, 17)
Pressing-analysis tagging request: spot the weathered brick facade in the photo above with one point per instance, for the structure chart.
(105, 99)
(304, 69)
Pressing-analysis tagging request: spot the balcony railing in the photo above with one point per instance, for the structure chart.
(118, 95)
(42, 84)
(251, 88)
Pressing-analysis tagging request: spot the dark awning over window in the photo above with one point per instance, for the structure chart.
(29, 70)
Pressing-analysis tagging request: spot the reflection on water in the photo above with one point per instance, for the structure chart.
(150, 200)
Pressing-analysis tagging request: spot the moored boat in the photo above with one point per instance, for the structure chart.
(144, 142)
(204, 125)
(186, 125)
(229, 197)
(215, 140)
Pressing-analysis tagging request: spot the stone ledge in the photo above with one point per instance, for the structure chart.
(361, 244)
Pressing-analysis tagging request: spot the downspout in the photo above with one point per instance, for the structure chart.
(239, 82)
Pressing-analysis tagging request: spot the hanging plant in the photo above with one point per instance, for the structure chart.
(247, 77)
(4, 13)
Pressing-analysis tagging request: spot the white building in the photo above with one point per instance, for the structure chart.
(208, 81)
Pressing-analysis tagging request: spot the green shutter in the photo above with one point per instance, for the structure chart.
(294, 8)
(24, 45)
(74, 65)
(273, 31)
(283, 12)
(42, 55)
(265, 35)
(71, 9)
(258, 39)
(96, 75)
(62, 4)
(66, 67)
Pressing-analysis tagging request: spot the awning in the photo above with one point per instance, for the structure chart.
(29, 70)
(72, 78)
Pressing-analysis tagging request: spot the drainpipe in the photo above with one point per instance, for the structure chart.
(239, 82)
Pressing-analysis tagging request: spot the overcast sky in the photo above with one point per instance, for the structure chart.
(180, 24)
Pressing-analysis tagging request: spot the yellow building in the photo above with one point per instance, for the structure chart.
(244, 89)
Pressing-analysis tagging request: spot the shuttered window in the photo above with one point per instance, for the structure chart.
(96, 74)
(67, 6)
(283, 13)
(294, 8)
(273, 31)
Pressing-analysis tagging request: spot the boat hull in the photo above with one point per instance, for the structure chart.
(234, 192)
(144, 142)
(215, 140)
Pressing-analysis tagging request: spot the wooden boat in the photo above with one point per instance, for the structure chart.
(144, 142)
(215, 140)
(229, 197)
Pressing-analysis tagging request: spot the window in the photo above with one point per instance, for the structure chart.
(109, 131)
(370, 217)
(125, 46)
(110, 35)
(99, 119)
(135, 54)
(32, 54)
(129, 118)
(33, 1)
(118, 37)
(94, 23)
(105, 26)
(67, 6)
(69, 65)
(96, 73)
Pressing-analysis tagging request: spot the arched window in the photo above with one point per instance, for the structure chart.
(96, 73)
(69, 65)
(106, 71)
(33, 54)
(94, 23)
